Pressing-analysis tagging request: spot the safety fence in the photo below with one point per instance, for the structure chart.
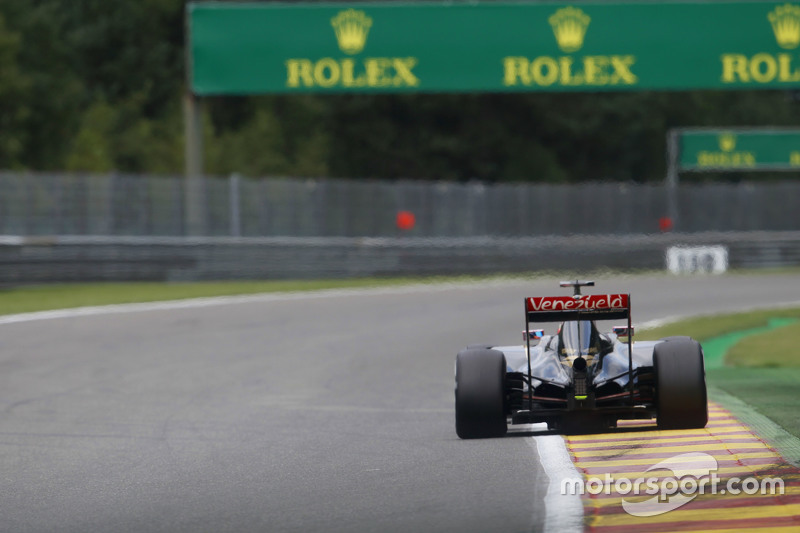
(126, 205)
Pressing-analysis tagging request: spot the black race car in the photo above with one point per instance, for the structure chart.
(579, 380)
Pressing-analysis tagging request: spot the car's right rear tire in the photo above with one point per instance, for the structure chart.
(480, 394)
(681, 397)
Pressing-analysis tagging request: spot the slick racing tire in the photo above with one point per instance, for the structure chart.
(681, 398)
(480, 394)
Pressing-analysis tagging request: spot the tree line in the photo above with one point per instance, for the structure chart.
(96, 86)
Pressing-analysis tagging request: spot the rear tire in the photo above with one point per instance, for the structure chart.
(681, 397)
(480, 394)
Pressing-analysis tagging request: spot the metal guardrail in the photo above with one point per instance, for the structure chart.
(79, 258)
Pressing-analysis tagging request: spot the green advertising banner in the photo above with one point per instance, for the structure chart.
(740, 150)
(253, 48)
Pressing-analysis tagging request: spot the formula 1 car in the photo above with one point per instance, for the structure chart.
(579, 380)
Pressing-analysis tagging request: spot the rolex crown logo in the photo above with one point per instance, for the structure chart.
(351, 27)
(785, 22)
(727, 142)
(569, 26)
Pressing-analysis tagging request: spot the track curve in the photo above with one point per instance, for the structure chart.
(297, 414)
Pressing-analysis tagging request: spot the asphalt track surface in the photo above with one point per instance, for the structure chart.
(323, 412)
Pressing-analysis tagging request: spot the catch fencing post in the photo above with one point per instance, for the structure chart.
(234, 208)
(673, 160)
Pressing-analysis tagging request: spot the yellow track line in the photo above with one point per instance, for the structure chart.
(673, 450)
(611, 437)
(616, 499)
(652, 461)
(684, 441)
(721, 472)
(698, 515)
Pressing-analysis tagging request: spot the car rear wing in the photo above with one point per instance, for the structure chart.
(579, 307)
(586, 307)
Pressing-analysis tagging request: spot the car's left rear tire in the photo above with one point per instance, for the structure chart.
(480, 394)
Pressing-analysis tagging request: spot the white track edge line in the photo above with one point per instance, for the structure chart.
(563, 513)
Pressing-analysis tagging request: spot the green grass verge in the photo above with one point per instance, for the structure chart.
(47, 297)
(705, 328)
(762, 362)
(777, 348)
(771, 392)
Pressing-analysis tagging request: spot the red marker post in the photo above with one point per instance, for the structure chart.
(405, 220)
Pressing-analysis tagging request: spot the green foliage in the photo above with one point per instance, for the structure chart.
(96, 85)
(12, 91)
(91, 150)
(99, 84)
(256, 149)
(119, 137)
(277, 136)
(49, 102)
